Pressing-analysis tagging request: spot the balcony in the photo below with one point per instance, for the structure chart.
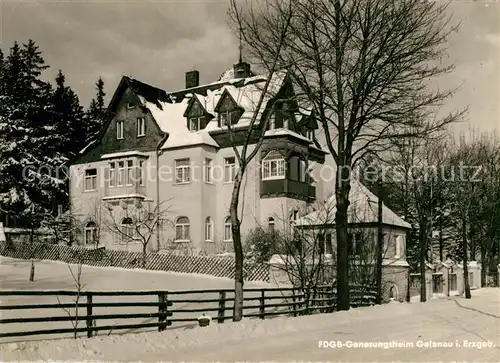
(287, 188)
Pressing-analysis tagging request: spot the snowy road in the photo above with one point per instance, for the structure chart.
(440, 322)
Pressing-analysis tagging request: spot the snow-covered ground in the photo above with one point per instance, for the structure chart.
(50, 275)
(463, 325)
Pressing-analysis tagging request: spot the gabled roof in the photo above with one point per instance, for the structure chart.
(168, 109)
(363, 208)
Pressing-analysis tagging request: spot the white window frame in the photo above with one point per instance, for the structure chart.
(228, 236)
(129, 173)
(209, 229)
(127, 231)
(208, 167)
(141, 127)
(271, 225)
(226, 116)
(273, 159)
(185, 227)
(92, 231)
(119, 130)
(120, 179)
(198, 120)
(229, 169)
(182, 171)
(141, 173)
(92, 179)
(399, 245)
(112, 174)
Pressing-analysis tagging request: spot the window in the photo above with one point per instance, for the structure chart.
(141, 127)
(127, 231)
(270, 224)
(354, 243)
(208, 229)
(208, 170)
(228, 233)
(130, 105)
(399, 247)
(90, 180)
(121, 172)
(229, 169)
(328, 244)
(182, 229)
(119, 130)
(273, 166)
(182, 171)
(228, 118)
(196, 123)
(90, 233)
(302, 171)
(141, 173)
(321, 244)
(112, 174)
(130, 172)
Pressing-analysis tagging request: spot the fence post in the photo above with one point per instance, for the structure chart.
(222, 307)
(162, 311)
(89, 315)
(262, 308)
(294, 301)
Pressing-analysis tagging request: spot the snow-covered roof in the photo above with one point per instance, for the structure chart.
(245, 91)
(363, 208)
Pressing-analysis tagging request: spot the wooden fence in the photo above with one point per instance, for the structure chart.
(156, 309)
(101, 257)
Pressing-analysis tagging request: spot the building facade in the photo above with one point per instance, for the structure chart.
(175, 156)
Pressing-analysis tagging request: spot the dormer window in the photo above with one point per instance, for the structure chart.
(228, 118)
(130, 106)
(196, 115)
(196, 123)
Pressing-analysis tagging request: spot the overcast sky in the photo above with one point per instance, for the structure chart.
(158, 41)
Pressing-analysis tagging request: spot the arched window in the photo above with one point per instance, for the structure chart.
(228, 234)
(270, 224)
(182, 229)
(127, 230)
(209, 229)
(90, 233)
(273, 166)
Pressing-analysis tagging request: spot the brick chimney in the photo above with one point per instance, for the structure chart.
(192, 79)
(242, 70)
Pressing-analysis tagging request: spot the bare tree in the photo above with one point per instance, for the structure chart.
(255, 132)
(366, 67)
(137, 223)
(77, 280)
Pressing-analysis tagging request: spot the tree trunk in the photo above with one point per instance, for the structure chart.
(465, 258)
(485, 265)
(422, 260)
(441, 242)
(144, 255)
(342, 196)
(32, 271)
(238, 249)
(380, 245)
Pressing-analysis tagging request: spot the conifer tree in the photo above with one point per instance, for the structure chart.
(96, 112)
